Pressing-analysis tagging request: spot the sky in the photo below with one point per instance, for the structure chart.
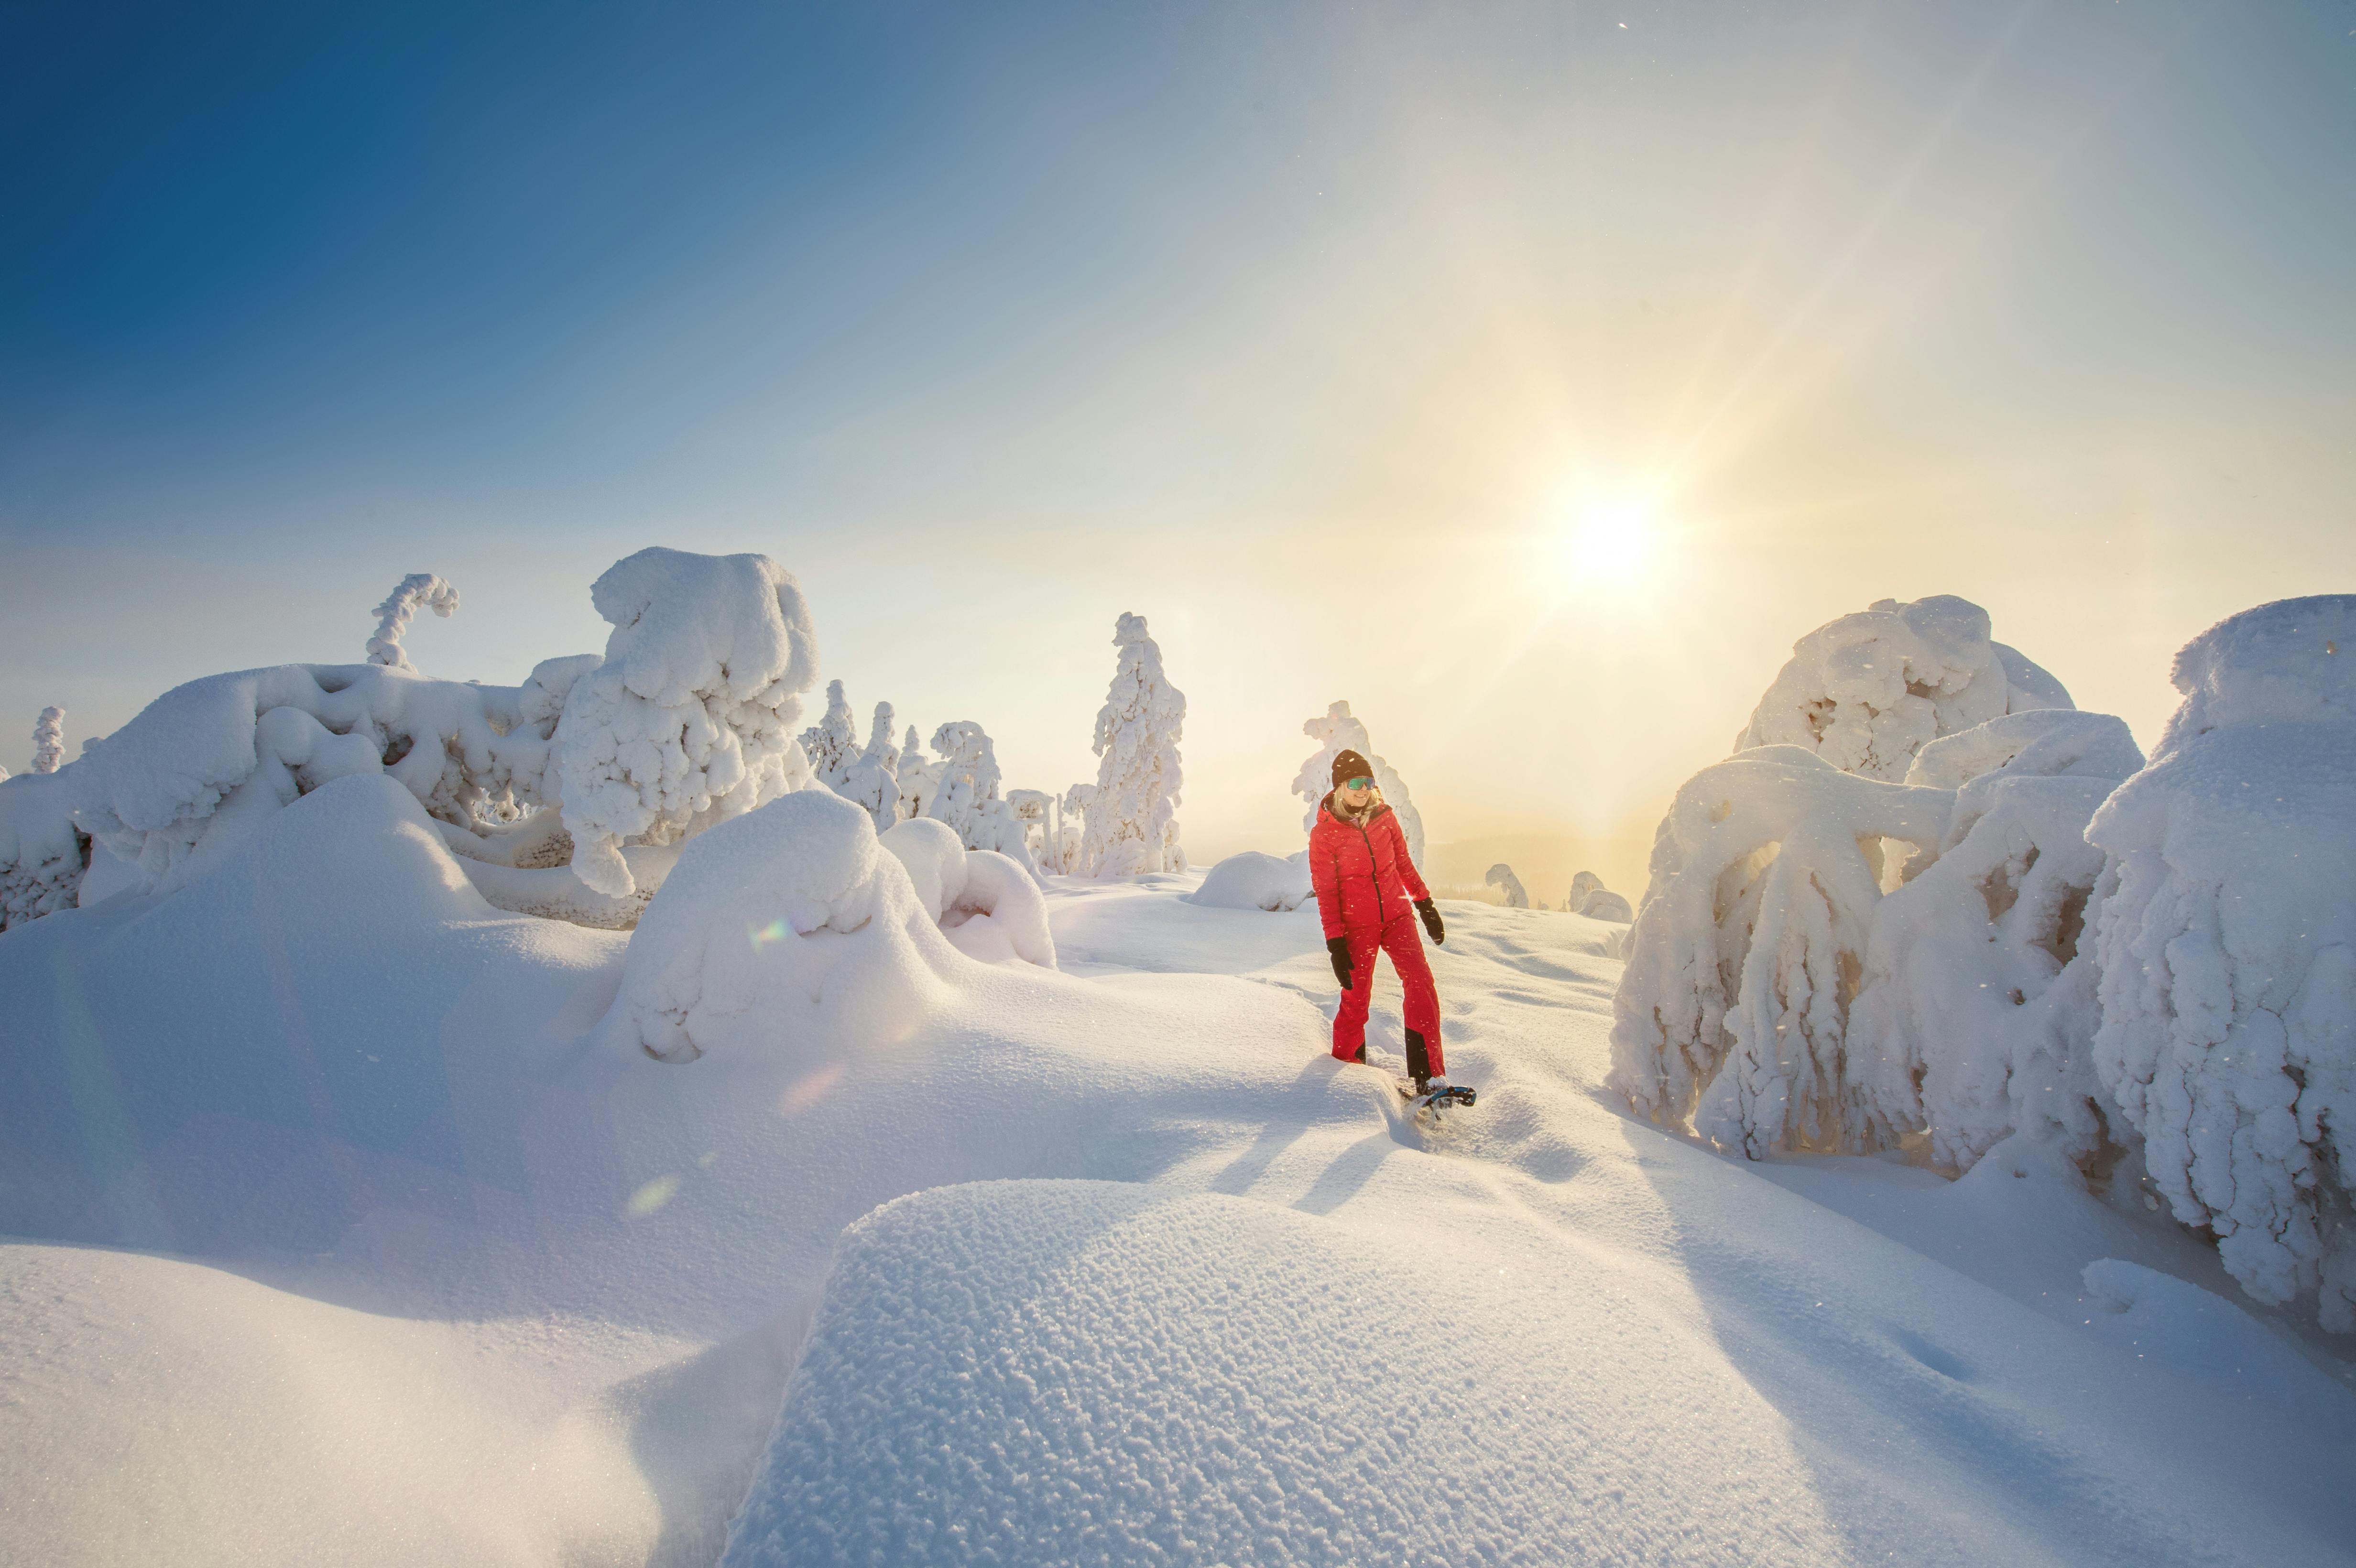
(1530, 376)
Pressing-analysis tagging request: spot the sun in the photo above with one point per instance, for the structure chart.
(1610, 544)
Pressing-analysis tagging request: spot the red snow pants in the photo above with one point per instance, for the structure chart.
(1399, 938)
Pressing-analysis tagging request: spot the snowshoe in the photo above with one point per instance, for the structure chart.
(1426, 1097)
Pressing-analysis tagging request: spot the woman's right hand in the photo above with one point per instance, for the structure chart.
(1337, 948)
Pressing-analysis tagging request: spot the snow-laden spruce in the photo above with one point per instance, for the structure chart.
(2228, 948)
(48, 740)
(1866, 691)
(871, 780)
(1977, 1007)
(1510, 892)
(1132, 824)
(919, 777)
(689, 720)
(968, 800)
(418, 590)
(1734, 1009)
(832, 743)
(1337, 731)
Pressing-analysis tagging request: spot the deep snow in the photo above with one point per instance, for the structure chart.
(350, 1236)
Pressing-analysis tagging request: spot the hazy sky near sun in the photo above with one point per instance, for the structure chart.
(1315, 334)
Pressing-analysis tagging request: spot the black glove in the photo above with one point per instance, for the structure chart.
(1438, 932)
(1338, 949)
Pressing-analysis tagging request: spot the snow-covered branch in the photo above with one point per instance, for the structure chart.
(418, 590)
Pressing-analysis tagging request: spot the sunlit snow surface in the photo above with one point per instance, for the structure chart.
(350, 1239)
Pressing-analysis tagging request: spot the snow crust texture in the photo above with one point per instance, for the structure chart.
(2227, 943)
(1339, 730)
(1131, 823)
(1869, 690)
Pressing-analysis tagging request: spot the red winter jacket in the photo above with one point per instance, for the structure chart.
(1360, 870)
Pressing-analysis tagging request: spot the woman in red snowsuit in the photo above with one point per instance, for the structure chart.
(1368, 895)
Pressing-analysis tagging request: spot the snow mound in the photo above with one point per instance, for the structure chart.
(1868, 690)
(1254, 881)
(183, 1414)
(986, 905)
(2174, 1323)
(2228, 951)
(1076, 1372)
(42, 857)
(789, 923)
(689, 719)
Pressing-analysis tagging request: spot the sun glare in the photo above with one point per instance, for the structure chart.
(1609, 545)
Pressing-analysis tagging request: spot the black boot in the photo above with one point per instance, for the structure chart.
(1418, 1061)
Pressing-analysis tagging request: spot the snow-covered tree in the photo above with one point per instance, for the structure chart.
(1734, 1006)
(1978, 1009)
(968, 800)
(920, 778)
(1590, 898)
(832, 743)
(687, 721)
(872, 779)
(2227, 943)
(1334, 733)
(968, 776)
(1866, 691)
(1036, 809)
(1501, 876)
(49, 740)
(1133, 825)
(1072, 826)
(418, 590)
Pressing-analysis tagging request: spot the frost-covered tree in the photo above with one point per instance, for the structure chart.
(872, 779)
(1866, 691)
(1133, 825)
(1509, 886)
(1338, 731)
(49, 740)
(968, 800)
(687, 721)
(418, 590)
(1590, 898)
(2227, 943)
(920, 778)
(1978, 1009)
(832, 743)
(1072, 825)
(1734, 1008)
(968, 777)
(1036, 809)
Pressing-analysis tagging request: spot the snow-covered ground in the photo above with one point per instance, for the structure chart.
(349, 1235)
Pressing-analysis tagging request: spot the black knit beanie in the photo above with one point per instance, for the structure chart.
(1350, 765)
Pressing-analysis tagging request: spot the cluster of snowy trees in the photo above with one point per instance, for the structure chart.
(569, 795)
(1122, 825)
(1929, 899)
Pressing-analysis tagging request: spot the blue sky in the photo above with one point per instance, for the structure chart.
(1307, 332)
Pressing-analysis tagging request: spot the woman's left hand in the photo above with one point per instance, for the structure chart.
(1432, 923)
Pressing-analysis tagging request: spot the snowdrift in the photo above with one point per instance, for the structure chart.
(1254, 881)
